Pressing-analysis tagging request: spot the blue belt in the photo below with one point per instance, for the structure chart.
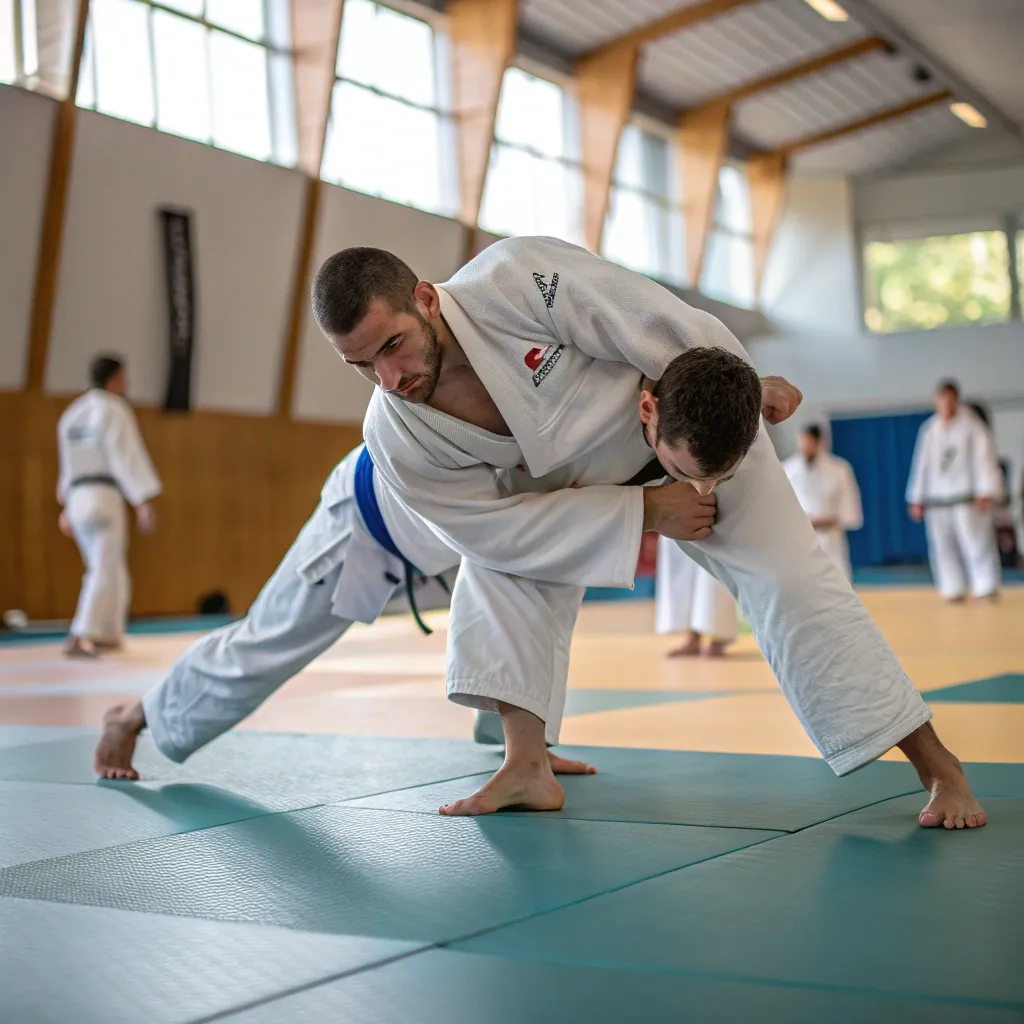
(369, 510)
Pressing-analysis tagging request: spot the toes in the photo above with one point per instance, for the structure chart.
(928, 819)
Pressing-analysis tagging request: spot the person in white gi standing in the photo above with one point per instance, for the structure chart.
(827, 490)
(687, 597)
(954, 482)
(103, 463)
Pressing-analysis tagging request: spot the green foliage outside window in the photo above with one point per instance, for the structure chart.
(948, 281)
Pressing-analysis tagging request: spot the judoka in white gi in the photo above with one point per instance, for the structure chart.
(520, 377)
(347, 562)
(827, 490)
(103, 463)
(954, 482)
(688, 598)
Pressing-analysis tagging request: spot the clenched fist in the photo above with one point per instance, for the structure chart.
(678, 511)
(779, 399)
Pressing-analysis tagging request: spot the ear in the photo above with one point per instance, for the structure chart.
(427, 299)
(648, 407)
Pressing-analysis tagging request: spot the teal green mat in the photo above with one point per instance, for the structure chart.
(137, 627)
(343, 870)
(869, 901)
(42, 820)
(278, 771)
(437, 987)
(1005, 689)
(677, 787)
(88, 964)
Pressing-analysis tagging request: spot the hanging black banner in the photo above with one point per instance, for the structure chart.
(177, 230)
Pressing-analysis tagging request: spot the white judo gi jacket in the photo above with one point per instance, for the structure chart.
(561, 340)
(827, 489)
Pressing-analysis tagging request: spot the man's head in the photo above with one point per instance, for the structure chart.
(947, 399)
(810, 442)
(703, 415)
(381, 320)
(109, 373)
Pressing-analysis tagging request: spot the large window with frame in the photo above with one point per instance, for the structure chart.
(216, 71)
(391, 133)
(19, 43)
(534, 184)
(643, 229)
(919, 283)
(728, 271)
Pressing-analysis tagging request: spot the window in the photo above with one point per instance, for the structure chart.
(728, 272)
(389, 133)
(643, 227)
(534, 185)
(19, 42)
(942, 281)
(208, 70)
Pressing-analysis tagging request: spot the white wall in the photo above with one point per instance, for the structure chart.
(326, 389)
(26, 132)
(111, 290)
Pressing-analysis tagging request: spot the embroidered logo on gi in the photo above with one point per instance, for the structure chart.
(947, 460)
(547, 290)
(541, 361)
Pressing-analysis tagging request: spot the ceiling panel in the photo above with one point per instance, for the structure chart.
(886, 146)
(691, 66)
(844, 93)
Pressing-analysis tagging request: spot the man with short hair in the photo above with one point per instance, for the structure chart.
(954, 482)
(103, 463)
(517, 379)
(827, 490)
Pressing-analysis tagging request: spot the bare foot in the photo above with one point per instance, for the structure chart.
(108, 645)
(80, 647)
(689, 649)
(956, 599)
(715, 649)
(563, 766)
(121, 727)
(531, 786)
(952, 804)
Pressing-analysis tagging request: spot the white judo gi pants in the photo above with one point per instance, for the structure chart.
(838, 674)
(962, 546)
(334, 574)
(835, 544)
(99, 524)
(686, 597)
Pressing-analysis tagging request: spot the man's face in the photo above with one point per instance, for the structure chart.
(810, 446)
(677, 459)
(397, 351)
(946, 404)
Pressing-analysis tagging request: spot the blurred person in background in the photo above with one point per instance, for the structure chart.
(103, 464)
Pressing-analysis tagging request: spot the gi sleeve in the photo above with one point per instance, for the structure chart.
(919, 467)
(130, 464)
(986, 475)
(851, 511)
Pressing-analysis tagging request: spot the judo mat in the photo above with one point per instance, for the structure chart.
(302, 878)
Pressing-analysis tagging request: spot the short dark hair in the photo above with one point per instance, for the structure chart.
(350, 280)
(949, 385)
(813, 430)
(709, 400)
(103, 369)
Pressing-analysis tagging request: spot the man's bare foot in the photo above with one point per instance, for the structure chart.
(952, 804)
(563, 766)
(715, 649)
(80, 647)
(531, 786)
(121, 727)
(956, 599)
(690, 648)
(109, 645)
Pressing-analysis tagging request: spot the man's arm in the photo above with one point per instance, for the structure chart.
(129, 461)
(851, 509)
(918, 466)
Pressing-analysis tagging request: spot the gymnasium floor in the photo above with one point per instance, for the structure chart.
(714, 870)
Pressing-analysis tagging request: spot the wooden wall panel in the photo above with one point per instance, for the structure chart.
(236, 491)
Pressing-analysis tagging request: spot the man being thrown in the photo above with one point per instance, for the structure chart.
(518, 378)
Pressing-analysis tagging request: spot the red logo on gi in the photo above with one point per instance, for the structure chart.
(536, 356)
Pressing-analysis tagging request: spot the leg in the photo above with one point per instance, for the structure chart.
(836, 670)
(714, 613)
(674, 597)
(525, 779)
(976, 536)
(227, 674)
(944, 553)
(488, 731)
